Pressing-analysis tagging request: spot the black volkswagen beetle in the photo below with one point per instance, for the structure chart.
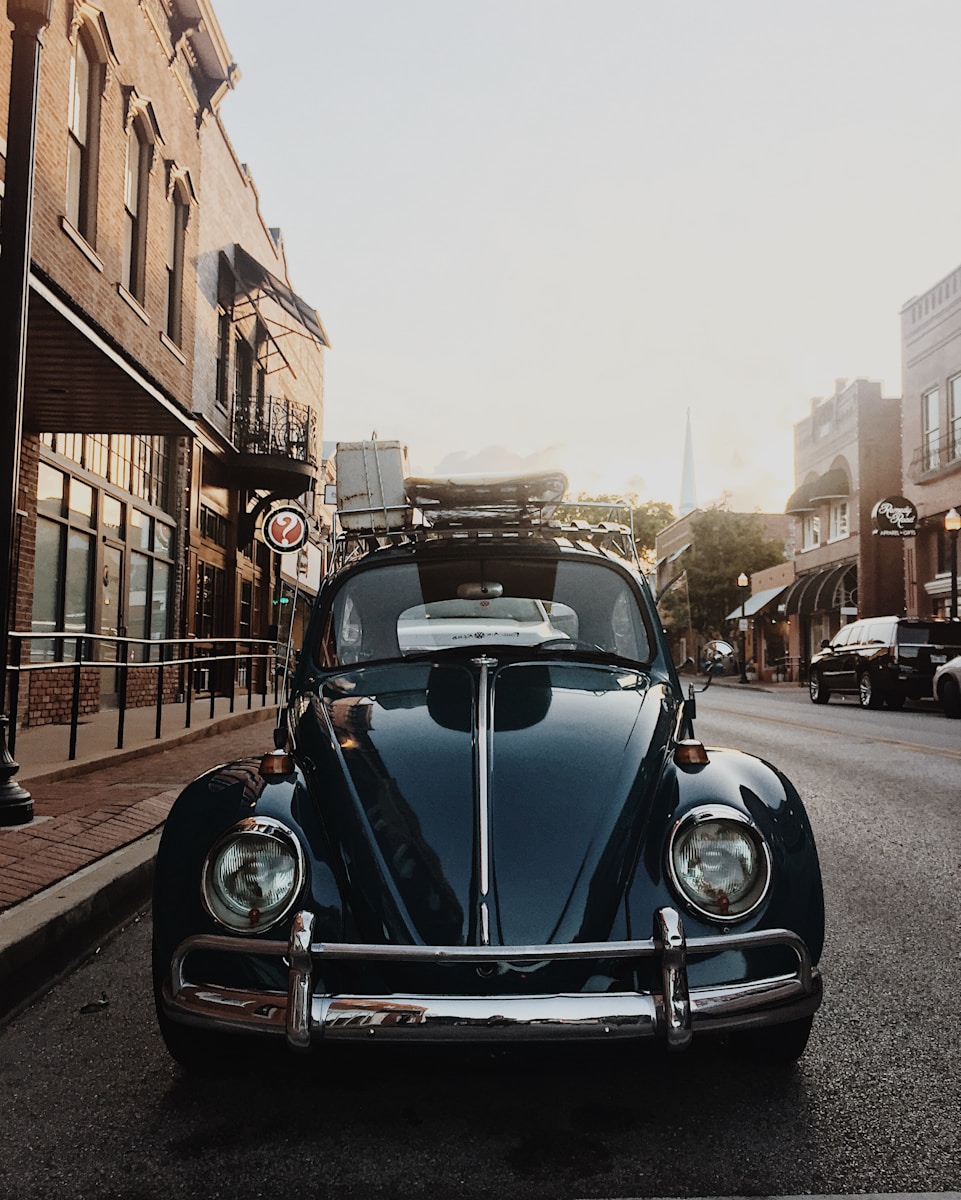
(487, 819)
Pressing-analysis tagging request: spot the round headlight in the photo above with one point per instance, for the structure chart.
(253, 875)
(719, 863)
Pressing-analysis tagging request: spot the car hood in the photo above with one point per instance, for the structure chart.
(445, 836)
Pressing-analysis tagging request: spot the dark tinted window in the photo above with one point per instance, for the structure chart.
(930, 633)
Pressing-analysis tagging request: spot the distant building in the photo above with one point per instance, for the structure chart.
(931, 423)
(847, 458)
(677, 540)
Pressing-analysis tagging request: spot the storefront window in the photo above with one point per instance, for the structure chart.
(86, 579)
(79, 570)
(48, 579)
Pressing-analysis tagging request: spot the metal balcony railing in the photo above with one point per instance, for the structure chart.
(937, 454)
(274, 425)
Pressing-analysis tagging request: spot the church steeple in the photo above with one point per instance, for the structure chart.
(688, 490)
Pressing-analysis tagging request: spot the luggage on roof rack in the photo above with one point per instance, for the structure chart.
(471, 500)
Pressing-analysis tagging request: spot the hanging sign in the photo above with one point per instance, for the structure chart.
(895, 517)
(285, 529)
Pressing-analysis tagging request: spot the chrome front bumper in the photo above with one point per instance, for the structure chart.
(673, 1014)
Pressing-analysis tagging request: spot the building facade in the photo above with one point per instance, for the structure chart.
(174, 380)
(847, 458)
(931, 422)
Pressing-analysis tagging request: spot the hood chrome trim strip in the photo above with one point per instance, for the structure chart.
(483, 792)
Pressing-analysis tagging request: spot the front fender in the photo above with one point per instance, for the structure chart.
(759, 791)
(205, 810)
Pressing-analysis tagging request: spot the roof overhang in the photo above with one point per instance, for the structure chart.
(78, 381)
(254, 281)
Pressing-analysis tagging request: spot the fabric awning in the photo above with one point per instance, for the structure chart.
(821, 591)
(760, 600)
(800, 500)
(254, 278)
(832, 485)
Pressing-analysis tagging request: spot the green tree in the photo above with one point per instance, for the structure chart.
(723, 544)
(650, 517)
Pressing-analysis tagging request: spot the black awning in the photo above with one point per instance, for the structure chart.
(253, 278)
(832, 485)
(821, 591)
(800, 500)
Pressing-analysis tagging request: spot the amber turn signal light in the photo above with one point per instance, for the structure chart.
(690, 753)
(277, 762)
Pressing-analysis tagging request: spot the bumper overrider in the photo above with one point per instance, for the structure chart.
(672, 1015)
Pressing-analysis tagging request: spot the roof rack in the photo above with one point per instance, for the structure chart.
(379, 504)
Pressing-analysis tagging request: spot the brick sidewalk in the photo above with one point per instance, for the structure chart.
(104, 805)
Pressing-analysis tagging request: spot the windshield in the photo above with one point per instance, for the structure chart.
(402, 609)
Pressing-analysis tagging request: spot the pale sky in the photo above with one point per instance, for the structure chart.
(554, 226)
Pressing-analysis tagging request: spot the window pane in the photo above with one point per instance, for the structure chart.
(137, 610)
(50, 489)
(164, 539)
(48, 579)
(78, 573)
(160, 601)
(112, 517)
(81, 502)
(79, 93)
(142, 528)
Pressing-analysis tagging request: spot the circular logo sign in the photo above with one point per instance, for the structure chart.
(285, 529)
(895, 517)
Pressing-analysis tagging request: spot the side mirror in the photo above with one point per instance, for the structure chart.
(825, 644)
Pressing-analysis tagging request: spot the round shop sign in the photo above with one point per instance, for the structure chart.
(895, 517)
(285, 529)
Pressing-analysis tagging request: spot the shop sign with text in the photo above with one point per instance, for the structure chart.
(895, 517)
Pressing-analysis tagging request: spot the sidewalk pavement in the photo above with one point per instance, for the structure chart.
(84, 865)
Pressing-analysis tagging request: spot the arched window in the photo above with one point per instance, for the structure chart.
(135, 192)
(180, 195)
(83, 134)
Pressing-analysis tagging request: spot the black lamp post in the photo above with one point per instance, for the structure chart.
(952, 523)
(743, 583)
(29, 18)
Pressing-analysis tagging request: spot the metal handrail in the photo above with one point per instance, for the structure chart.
(245, 651)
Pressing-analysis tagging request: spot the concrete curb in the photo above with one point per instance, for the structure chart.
(46, 936)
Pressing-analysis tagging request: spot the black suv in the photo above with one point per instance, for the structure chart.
(883, 660)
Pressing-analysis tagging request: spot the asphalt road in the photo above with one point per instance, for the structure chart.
(91, 1106)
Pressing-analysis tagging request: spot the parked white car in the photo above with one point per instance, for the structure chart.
(503, 620)
(947, 687)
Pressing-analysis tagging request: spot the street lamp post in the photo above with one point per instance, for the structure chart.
(743, 583)
(29, 18)
(952, 523)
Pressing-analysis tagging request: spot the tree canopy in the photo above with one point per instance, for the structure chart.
(723, 544)
(650, 517)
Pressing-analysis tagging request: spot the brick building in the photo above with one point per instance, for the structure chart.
(931, 422)
(174, 380)
(847, 458)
